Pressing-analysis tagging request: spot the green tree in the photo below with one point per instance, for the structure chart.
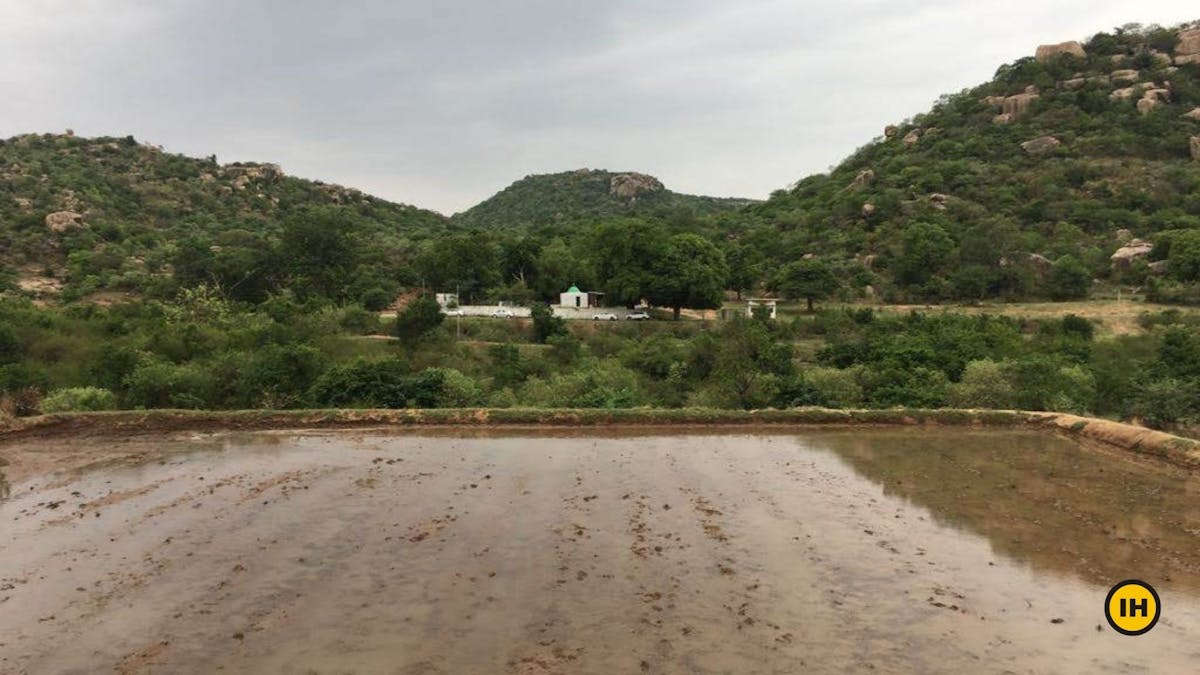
(809, 278)
(690, 272)
(1069, 279)
(625, 253)
(319, 251)
(545, 324)
(421, 317)
(924, 250)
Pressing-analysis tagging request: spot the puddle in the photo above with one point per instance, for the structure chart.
(897, 551)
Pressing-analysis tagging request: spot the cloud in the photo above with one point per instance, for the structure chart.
(441, 104)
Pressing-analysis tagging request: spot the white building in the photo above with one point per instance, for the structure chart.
(769, 303)
(577, 299)
(446, 299)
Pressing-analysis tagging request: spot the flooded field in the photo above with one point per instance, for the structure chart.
(885, 551)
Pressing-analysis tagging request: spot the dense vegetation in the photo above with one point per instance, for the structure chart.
(201, 352)
(553, 203)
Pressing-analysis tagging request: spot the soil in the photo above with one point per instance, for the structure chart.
(593, 551)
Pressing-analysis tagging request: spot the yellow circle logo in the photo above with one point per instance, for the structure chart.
(1132, 607)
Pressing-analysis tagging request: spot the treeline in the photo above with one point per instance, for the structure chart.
(204, 353)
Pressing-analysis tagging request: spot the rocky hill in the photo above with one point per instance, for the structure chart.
(1080, 161)
(585, 196)
(113, 213)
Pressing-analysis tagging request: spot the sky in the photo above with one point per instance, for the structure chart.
(445, 102)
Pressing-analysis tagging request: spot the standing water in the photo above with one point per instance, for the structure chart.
(893, 551)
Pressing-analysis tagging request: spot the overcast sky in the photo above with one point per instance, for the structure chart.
(443, 103)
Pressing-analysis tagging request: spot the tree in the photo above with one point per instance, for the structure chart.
(1069, 279)
(421, 317)
(468, 263)
(625, 254)
(924, 250)
(690, 272)
(319, 251)
(545, 324)
(809, 278)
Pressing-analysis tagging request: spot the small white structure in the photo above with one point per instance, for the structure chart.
(446, 299)
(577, 299)
(760, 302)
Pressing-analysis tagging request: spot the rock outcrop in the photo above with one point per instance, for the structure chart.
(868, 210)
(1041, 145)
(1188, 49)
(890, 131)
(630, 185)
(1194, 114)
(864, 177)
(1124, 76)
(911, 138)
(1135, 249)
(1048, 52)
(61, 221)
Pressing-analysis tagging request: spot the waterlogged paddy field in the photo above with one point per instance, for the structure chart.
(891, 551)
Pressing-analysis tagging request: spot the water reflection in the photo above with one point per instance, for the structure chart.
(1042, 499)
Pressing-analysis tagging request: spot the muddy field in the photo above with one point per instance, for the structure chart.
(884, 551)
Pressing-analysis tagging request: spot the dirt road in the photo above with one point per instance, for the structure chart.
(887, 551)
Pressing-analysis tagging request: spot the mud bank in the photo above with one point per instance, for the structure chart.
(580, 551)
(1183, 452)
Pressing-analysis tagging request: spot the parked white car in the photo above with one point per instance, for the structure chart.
(455, 312)
(502, 313)
(605, 316)
(637, 316)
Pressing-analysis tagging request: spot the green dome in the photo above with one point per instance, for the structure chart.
(574, 289)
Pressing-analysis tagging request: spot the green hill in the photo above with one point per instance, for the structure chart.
(585, 196)
(1023, 186)
(81, 215)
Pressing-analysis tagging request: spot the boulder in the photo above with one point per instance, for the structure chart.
(1040, 262)
(994, 101)
(1189, 42)
(1133, 250)
(939, 200)
(24, 203)
(1195, 145)
(1185, 59)
(1073, 84)
(890, 131)
(1047, 52)
(1193, 115)
(911, 138)
(1158, 268)
(1145, 105)
(1123, 235)
(868, 210)
(1124, 94)
(61, 221)
(1125, 76)
(1160, 58)
(1041, 145)
(630, 185)
(864, 177)
(1002, 118)
(1018, 104)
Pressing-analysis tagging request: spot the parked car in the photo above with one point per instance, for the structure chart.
(637, 316)
(502, 313)
(454, 312)
(604, 316)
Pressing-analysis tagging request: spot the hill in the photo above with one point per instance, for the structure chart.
(82, 215)
(1024, 186)
(586, 195)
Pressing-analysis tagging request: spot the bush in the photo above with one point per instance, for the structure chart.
(545, 324)
(458, 390)
(79, 399)
(983, 385)
(421, 317)
(835, 388)
(379, 384)
(376, 299)
(1166, 403)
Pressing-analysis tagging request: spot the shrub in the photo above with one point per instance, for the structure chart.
(378, 384)
(375, 299)
(545, 324)
(79, 399)
(1166, 403)
(983, 385)
(420, 318)
(835, 388)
